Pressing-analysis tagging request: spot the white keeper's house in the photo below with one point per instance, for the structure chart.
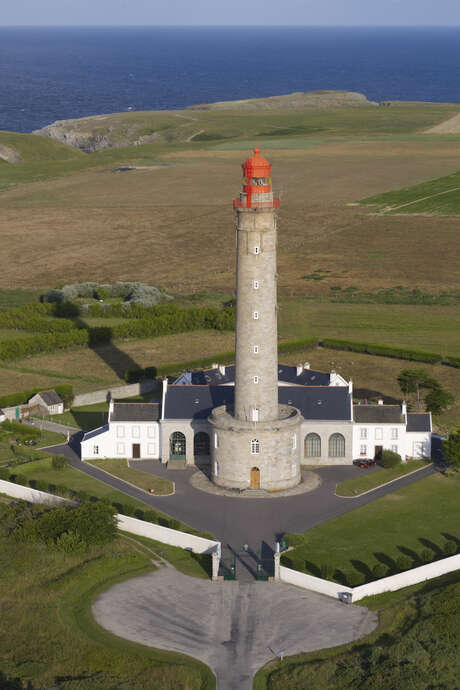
(335, 431)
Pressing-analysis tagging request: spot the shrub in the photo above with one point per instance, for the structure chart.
(404, 563)
(19, 479)
(380, 570)
(354, 579)
(127, 509)
(298, 345)
(139, 514)
(294, 539)
(426, 556)
(173, 524)
(58, 462)
(150, 516)
(449, 548)
(439, 400)
(451, 448)
(70, 542)
(4, 473)
(452, 361)
(390, 459)
(327, 571)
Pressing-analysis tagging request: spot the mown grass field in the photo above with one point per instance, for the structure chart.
(143, 480)
(368, 481)
(421, 516)
(48, 635)
(416, 642)
(13, 450)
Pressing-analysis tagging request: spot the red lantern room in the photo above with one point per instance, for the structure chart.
(257, 184)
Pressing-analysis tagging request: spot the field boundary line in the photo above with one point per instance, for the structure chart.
(380, 486)
(409, 203)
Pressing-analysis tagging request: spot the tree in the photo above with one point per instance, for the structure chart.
(411, 381)
(439, 400)
(451, 448)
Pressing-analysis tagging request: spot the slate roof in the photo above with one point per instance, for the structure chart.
(50, 397)
(287, 374)
(95, 432)
(378, 414)
(418, 422)
(315, 402)
(135, 412)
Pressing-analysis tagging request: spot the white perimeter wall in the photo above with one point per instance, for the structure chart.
(125, 523)
(386, 584)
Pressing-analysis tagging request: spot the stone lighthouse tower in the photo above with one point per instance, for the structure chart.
(256, 443)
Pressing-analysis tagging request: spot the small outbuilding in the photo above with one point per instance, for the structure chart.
(47, 403)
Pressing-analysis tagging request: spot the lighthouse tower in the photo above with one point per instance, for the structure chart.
(256, 443)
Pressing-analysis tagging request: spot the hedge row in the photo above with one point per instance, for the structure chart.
(298, 345)
(381, 350)
(452, 362)
(44, 342)
(64, 390)
(31, 317)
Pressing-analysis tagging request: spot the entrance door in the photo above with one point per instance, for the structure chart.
(378, 453)
(255, 478)
(136, 450)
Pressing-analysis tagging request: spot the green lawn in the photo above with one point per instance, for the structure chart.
(439, 197)
(367, 481)
(194, 564)
(421, 516)
(12, 453)
(143, 480)
(49, 637)
(415, 646)
(86, 417)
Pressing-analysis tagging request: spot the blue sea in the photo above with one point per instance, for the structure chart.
(54, 73)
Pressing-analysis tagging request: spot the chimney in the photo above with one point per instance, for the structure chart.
(299, 369)
(214, 365)
(163, 397)
(110, 408)
(306, 365)
(350, 387)
(380, 401)
(404, 411)
(222, 369)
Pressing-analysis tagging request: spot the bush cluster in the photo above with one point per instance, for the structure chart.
(32, 317)
(390, 459)
(135, 292)
(381, 350)
(44, 342)
(138, 374)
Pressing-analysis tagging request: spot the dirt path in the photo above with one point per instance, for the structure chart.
(450, 126)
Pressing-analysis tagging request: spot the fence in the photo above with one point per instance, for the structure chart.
(106, 394)
(386, 584)
(190, 542)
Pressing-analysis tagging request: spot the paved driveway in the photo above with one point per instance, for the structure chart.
(234, 628)
(237, 521)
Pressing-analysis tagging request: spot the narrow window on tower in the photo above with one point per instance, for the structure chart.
(255, 284)
(256, 379)
(255, 414)
(255, 446)
(255, 349)
(256, 250)
(216, 440)
(294, 441)
(256, 315)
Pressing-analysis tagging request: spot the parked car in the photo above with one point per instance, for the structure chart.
(364, 462)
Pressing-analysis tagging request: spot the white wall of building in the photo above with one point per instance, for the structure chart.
(367, 436)
(418, 444)
(117, 439)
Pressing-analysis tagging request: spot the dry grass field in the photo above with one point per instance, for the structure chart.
(172, 225)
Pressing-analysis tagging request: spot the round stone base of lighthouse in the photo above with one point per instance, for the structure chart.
(256, 455)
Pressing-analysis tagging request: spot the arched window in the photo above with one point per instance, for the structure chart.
(177, 445)
(312, 446)
(336, 446)
(255, 446)
(201, 443)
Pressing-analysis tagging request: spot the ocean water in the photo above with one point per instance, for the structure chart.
(49, 74)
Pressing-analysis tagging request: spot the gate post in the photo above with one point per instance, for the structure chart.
(276, 558)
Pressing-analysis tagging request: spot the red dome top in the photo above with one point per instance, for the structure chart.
(256, 166)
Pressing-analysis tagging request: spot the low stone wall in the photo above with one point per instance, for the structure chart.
(190, 542)
(30, 495)
(10, 412)
(167, 535)
(386, 584)
(107, 394)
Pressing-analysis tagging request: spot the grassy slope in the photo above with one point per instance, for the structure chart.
(143, 480)
(367, 481)
(439, 197)
(48, 635)
(419, 516)
(415, 646)
(11, 452)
